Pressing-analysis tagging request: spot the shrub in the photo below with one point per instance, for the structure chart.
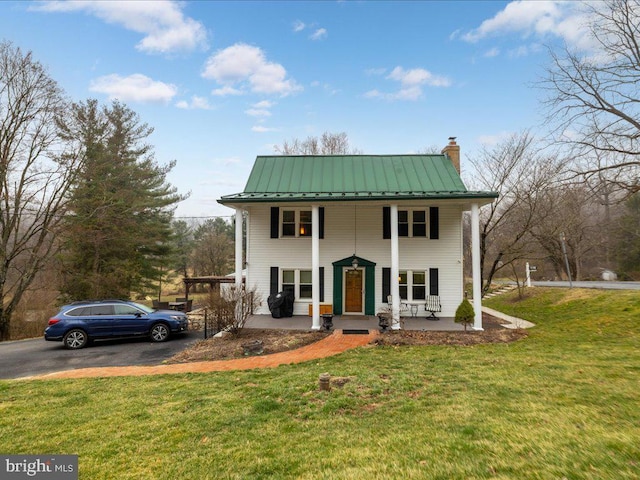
(465, 314)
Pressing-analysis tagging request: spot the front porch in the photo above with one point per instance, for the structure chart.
(355, 322)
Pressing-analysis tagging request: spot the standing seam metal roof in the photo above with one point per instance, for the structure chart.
(294, 177)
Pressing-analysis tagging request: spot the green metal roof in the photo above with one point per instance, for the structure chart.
(352, 177)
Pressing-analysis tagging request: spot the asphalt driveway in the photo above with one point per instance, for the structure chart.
(25, 358)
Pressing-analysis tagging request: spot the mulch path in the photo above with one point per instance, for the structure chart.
(276, 341)
(283, 347)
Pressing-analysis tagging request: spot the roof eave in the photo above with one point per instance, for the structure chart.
(243, 198)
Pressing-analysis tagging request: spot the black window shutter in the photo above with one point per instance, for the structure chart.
(321, 215)
(434, 223)
(386, 222)
(433, 281)
(321, 284)
(386, 284)
(275, 222)
(274, 280)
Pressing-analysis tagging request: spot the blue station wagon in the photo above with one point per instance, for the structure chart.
(81, 322)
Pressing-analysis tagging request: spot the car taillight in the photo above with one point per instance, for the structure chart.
(53, 321)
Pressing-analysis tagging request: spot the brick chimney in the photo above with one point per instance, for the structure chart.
(452, 150)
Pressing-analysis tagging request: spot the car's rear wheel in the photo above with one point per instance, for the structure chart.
(75, 339)
(160, 332)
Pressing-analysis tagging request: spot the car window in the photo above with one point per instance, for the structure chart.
(102, 310)
(79, 312)
(126, 310)
(144, 308)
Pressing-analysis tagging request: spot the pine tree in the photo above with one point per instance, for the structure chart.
(119, 225)
(465, 314)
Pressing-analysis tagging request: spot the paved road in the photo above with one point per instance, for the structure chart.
(603, 285)
(25, 358)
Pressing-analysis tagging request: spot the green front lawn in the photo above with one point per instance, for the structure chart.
(563, 403)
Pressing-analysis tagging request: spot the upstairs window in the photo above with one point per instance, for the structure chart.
(288, 223)
(305, 223)
(419, 223)
(296, 223)
(412, 223)
(403, 223)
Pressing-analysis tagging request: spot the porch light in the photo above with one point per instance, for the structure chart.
(354, 263)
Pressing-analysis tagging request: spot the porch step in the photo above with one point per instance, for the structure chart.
(355, 331)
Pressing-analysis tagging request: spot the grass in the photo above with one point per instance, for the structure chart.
(560, 404)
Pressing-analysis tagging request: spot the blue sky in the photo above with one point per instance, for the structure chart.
(222, 82)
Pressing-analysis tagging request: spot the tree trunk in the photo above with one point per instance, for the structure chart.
(5, 323)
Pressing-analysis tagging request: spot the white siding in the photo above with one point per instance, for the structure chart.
(347, 233)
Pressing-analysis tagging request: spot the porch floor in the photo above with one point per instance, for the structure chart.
(342, 322)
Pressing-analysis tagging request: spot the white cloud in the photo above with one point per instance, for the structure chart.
(162, 22)
(264, 104)
(229, 161)
(492, 140)
(540, 19)
(247, 66)
(226, 91)
(375, 71)
(326, 87)
(412, 83)
(196, 103)
(260, 110)
(262, 129)
(518, 16)
(256, 112)
(524, 50)
(418, 76)
(494, 52)
(136, 88)
(373, 94)
(319, 34)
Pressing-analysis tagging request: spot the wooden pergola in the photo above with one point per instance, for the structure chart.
(212, 281)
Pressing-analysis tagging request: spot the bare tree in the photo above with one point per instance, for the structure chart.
(35, 175)
(568, 211)
(516, 170)
(328, 144)
(595, 99)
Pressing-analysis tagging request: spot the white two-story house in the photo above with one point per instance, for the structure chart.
(357, 233)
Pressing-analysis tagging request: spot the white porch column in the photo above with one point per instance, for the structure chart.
(475, 263)
(238, 248)
(395, 270)
(315, 267)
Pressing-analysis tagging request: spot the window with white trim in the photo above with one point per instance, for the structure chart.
(304, 229)
(412, 223)
(298, 282)
(402, 279)
(306, 285)
(289, 281)
(419, 285)
(296, 223)
(419, 227)
(413, 285)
